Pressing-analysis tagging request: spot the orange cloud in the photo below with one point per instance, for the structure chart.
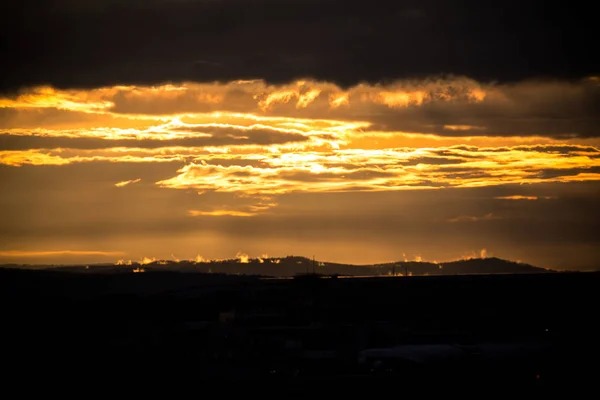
(125, 183)
(220, 213)
(461, 106)
(469, 218)
(248, 137)
(48, 97)
(392, 169)
(30, 157)
(519, 197)
(251, 96)
(462, 127)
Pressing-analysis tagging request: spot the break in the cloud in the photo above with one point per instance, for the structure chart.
(231, 166)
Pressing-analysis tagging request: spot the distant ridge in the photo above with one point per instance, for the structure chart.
(295, 265)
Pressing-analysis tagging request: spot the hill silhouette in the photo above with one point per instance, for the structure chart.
(296, 265)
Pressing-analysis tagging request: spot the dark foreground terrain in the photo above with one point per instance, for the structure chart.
(210, 334)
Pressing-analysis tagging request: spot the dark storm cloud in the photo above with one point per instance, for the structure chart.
(70, 43)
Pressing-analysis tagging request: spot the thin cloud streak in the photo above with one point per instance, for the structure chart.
(520, 197)
(220, 213)
(127, 183)
(470, 218)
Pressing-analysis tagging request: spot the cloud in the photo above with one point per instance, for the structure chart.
(243, 258)
(58, 157)
(389, 170)
(463, 127)
(147, 260)
(30, 157)
(520, 197)
(220, 213)
(126, 183)
(289, 40)
(450, 106)
(247, 205)
(49, 97)
(260, 170)
(469, 218)
(217, 137)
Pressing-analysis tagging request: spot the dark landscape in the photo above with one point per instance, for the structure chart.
(291, 266)
(312, 333)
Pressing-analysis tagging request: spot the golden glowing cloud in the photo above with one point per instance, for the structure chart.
(519, 197)
(147, 260)
(125, 183)
(220, 213)
(470, 218)
(401, 99)
(252, 96)
(243, 258)
(252, 138)
(339, 99)
(462, 127)
(391, 169)
(48, 97)
(30, 157)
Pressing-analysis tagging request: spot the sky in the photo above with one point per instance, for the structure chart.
(354, 131)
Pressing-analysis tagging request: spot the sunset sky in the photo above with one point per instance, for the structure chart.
(355, 131)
